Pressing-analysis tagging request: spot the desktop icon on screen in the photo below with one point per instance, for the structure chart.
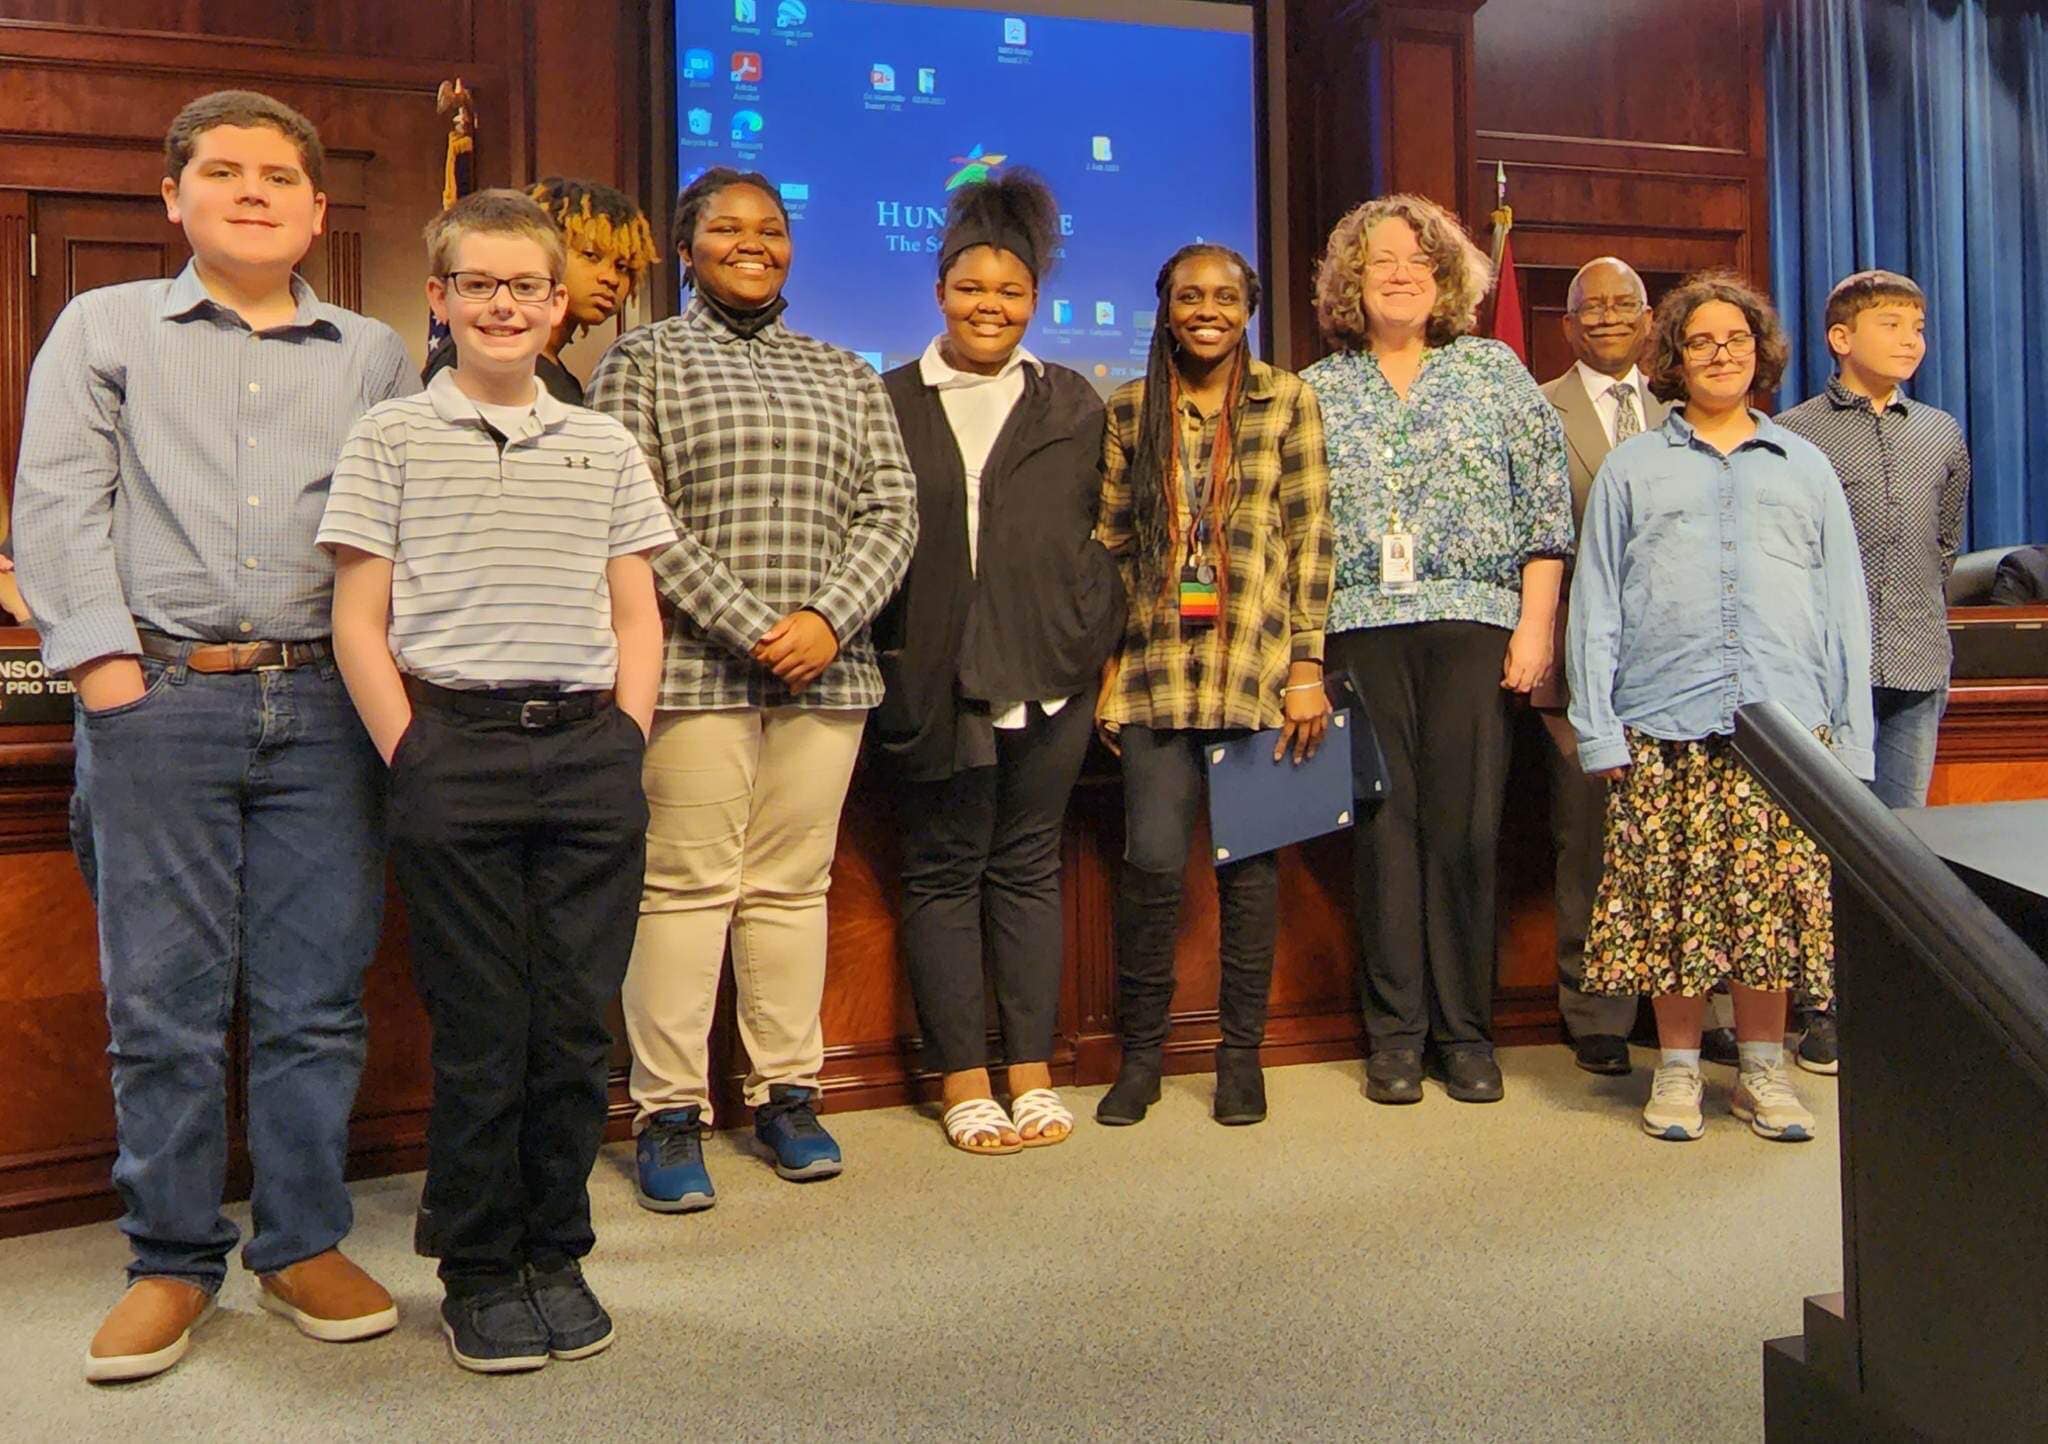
(746, 124)
(881, 77)
(794, 192)
(744, 12)
(1014, 31)
(746, 68)
(1145, 320)
(700, 122)
(927, 82)
(790, 14)
(1062, 313)
(1100, 148)
(696, 65)
(1105, 313)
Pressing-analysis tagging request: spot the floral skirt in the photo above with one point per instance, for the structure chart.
(1707, 880)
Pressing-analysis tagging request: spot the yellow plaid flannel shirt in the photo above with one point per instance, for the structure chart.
(1281, 555)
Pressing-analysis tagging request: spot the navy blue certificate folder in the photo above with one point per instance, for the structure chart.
(1257, 804)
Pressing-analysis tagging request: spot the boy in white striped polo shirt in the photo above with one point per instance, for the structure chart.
(495, 619)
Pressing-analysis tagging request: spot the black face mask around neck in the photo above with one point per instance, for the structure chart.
(745, 324)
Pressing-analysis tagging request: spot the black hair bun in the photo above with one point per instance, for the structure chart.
(1016, 203)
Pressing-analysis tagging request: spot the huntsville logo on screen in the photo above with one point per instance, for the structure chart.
(914, 225)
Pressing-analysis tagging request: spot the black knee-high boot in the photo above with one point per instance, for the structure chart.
(1147, 922)
(1248, 898)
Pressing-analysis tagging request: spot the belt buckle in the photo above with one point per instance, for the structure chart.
(533, 719)
(283, 662)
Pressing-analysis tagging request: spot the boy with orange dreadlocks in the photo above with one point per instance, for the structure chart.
(610, 248)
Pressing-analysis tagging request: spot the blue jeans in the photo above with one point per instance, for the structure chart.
(1907, 723)
(231, 829)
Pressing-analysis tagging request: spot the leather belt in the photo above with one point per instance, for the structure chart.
(214, 657)
(534, 713)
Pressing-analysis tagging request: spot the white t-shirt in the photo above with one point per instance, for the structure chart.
(976, 408)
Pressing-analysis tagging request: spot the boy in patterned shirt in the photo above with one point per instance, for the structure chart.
(1906, 470)
(495, 619)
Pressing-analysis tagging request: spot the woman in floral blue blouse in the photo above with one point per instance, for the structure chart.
(1452, 505)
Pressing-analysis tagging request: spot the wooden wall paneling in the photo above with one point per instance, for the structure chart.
(85, 242)
(1628, 127)
(57, 1128)
(1333, 145)
(375, 112)
(416, 32)
(1426, 115)
(1619, 70)
(17, 337)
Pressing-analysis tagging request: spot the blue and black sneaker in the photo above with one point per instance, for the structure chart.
(669, 1174)
(787, 1126)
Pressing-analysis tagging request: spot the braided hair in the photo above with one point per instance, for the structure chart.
(1154, 464)
(600, 218)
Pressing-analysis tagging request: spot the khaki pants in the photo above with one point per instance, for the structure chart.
(743, 811)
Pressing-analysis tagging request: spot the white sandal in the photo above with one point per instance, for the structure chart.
(979, 1118)
(1040, 1108)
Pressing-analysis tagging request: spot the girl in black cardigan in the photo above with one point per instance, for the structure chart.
(990, 653)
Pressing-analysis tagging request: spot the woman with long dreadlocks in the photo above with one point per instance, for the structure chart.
(1003, 623)
(610, 247)
(1216, 504)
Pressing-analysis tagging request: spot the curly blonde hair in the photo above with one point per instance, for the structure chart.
(1463, 274)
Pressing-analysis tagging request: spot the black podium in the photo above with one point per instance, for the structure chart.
(1941, 1331)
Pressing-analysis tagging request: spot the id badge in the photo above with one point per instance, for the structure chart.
(1198, 600)
(1397, 561)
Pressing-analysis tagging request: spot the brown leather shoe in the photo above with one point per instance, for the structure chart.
(329, 1298)
(147, 1331)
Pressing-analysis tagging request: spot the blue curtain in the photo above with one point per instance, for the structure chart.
(1913, 135)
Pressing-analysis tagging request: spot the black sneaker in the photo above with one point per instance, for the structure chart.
(1471, 1075)
(577, 1325)
(1394, 1075)
(1819, 1050)
(1717, 1045)
(495, 1331)
(424, 1241)
(1604, 1053)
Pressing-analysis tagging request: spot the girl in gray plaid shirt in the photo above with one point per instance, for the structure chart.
(781, 461)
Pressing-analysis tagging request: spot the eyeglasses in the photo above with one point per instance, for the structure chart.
(1386, 265)
(1740, 347)
(483, 286)
(1627, 309)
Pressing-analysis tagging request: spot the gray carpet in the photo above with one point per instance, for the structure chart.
(1534, 1270)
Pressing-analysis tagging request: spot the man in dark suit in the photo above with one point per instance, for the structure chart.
(1602, 401)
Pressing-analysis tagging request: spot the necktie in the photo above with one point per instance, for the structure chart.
(1627, 419)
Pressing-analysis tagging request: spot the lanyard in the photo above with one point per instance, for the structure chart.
(1197, 482)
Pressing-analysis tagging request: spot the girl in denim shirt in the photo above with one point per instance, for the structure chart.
(1718, 566)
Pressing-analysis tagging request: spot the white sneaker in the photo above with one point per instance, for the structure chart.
(1765, 1101)
(1673, 1111)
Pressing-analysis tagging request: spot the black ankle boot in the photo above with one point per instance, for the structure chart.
(1240, 1086)
(1136, 1089)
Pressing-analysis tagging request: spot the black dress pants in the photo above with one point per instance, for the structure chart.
(981, 892)
(520, 853)
(1163, 789)
(1425, 860)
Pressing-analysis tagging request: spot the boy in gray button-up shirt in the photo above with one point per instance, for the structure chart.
(176, 455)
